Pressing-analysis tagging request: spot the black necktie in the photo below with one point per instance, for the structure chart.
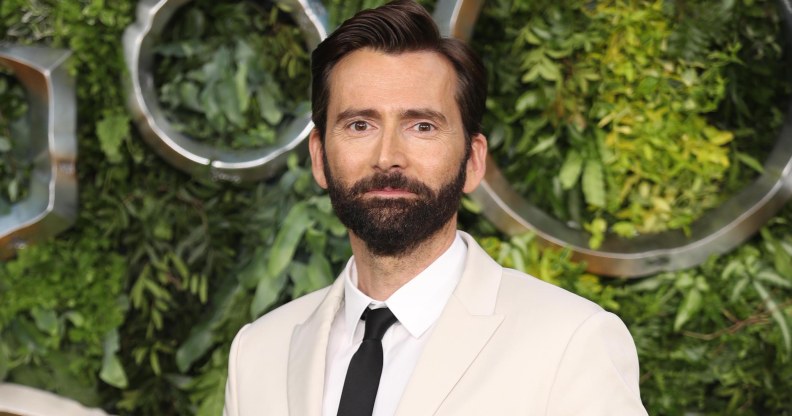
(365, 368)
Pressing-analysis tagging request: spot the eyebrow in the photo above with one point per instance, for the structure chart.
(426, 113)
(357, 112)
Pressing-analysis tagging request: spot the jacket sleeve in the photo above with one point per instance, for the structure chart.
(598, 374)
(231, 407)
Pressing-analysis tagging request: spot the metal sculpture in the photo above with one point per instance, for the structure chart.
(720, 230)
(178, 149)
(51, 205)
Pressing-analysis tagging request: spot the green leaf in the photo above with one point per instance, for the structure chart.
(776, 312)
(250, 274)
(289, 235)
(734, 267)
(544, 144)
(549, 70)
(532, 74)
(229, 101)
(76, 318)
(570, 170)
(624, 229)
(750, 161)
(197, 344)
(163, 230)
(597, 227)
(112, 371)
(529, 100)
(691, 304)
(112, 131)
(298, 272)
(471, 205)
(782, 260)
(5, 360)
(46, 320)
(594, 183)
(738, 289)
(649, 284)
(240, 82)
(269, 108)
(320, 274)
(188, 93)
(770, 276)
(267, 292)
(180, 266)
(211, 105)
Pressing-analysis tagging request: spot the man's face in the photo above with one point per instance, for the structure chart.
(394, 155)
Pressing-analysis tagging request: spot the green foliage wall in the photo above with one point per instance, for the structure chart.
(645, 113)
(134, 308)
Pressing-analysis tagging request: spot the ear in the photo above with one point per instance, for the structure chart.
(317, 158)
(477, 163)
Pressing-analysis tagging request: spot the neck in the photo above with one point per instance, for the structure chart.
(380, 276)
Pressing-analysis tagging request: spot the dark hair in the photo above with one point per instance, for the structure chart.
(397, 27)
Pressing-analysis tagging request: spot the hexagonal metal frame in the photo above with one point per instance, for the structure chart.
(178, 149)
(719, 231)
(51, 205)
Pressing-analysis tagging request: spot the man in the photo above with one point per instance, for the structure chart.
(447, 331)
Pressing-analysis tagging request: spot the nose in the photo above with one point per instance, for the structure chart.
(390, 152)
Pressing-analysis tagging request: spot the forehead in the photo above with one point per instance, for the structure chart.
(372, 79)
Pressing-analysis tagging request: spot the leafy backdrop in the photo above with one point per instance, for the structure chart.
(133, 309)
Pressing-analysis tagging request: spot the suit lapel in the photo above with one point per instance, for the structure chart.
(307, 354)
(464, 328)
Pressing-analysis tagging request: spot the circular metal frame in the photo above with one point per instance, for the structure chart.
(51, 205)
(719, 231)
(178, 149)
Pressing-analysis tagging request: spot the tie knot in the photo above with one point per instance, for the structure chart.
(377, 322)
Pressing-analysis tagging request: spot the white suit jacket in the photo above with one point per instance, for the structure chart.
(506, 344)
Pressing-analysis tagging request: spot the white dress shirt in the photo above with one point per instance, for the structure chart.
(417, 306)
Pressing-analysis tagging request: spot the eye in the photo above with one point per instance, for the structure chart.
(424, 127)
(359, 125)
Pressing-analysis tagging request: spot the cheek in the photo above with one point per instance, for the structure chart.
(444, 159)
(441, 171)
(344, 165)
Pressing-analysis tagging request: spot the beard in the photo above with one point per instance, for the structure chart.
(394, 227)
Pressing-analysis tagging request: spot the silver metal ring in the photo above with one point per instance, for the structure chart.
(178, 149)
(720, 230)
(51, 205)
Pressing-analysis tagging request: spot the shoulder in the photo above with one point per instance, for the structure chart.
(593, 363)
(265, 342)
(523, 299)
(259, 356)
(522, 293)
(532, 307)
(288, 315)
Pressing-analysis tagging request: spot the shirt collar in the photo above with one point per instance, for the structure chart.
(418, 304)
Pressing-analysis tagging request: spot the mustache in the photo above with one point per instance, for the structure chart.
(390, 180)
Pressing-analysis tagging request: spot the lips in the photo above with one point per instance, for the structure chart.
(389, 189)
(389, 192)
(390, 185)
